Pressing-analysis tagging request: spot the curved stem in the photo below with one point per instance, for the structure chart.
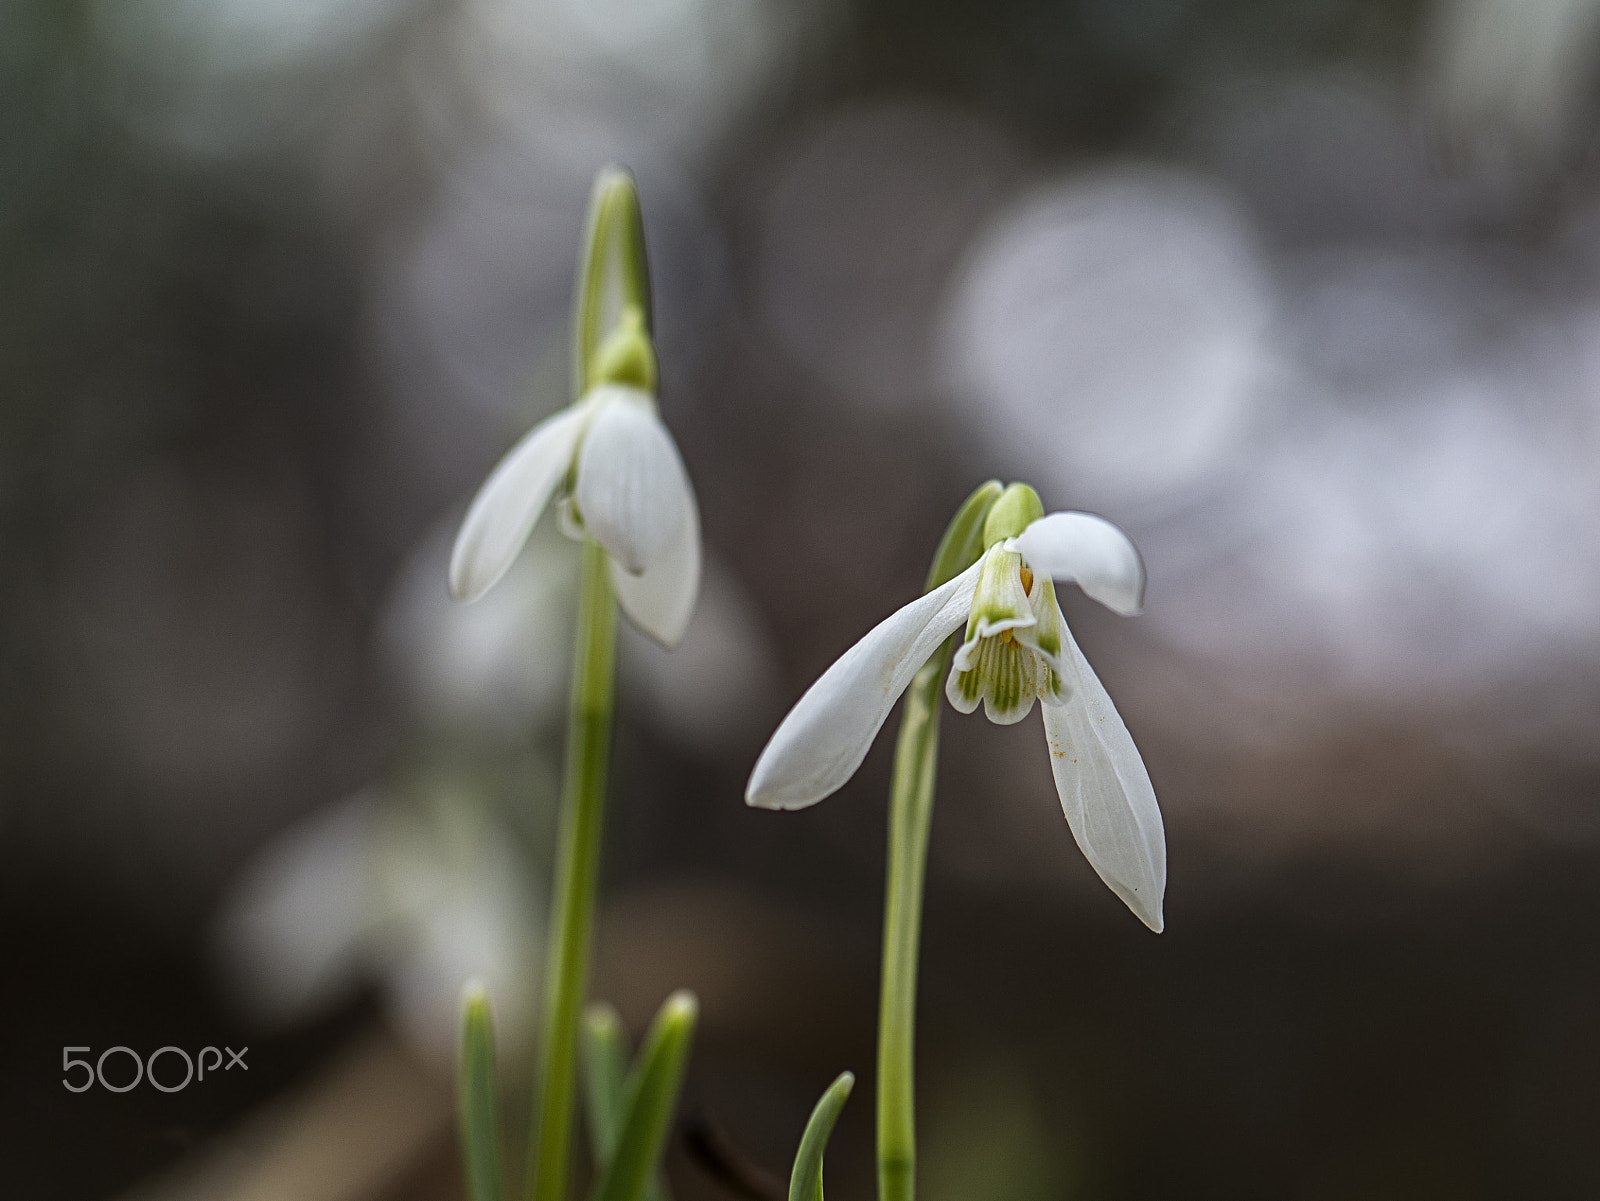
(916, 767)
(910, 814)
(577, 872)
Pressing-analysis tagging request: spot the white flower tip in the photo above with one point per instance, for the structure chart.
(818, 746)
(1152, 917)
(1146, 898)
(466, 584)
(661, 601)
(1091, 552)
(1130, 603)
(764, 793)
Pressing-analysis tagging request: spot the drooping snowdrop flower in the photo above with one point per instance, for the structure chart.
(615, 471)
(1016, 650)
(414, 893)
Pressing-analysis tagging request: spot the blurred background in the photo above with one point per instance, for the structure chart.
(1306, 297)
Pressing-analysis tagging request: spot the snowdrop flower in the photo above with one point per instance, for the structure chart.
(415, 897)
(616, 473)
(1017, 649)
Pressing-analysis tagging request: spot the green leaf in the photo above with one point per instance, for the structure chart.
(963, 537)
(605, 1070)
(650, 1098)
(605, 1066)
(477, 1099)
(805, 1182)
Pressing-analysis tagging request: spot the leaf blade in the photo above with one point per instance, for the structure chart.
(805, 1182)
(477, 1104)
(650, 1101)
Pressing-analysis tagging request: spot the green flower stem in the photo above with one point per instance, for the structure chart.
(613, 278)
(577, 872)
(910, 813)
(916, 765)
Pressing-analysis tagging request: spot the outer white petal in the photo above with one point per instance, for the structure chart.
(661, 600)
(508, 505)
(1105, 790)
(632, 490)
(1090, 551)
(826, 735)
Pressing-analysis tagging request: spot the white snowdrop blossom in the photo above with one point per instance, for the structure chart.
(616, 472)
(415, 894)
(1017, 649)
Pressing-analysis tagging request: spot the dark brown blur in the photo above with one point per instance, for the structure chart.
(1305, 297)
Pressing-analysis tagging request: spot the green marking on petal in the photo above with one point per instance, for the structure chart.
(1005, 674)
(999, 601)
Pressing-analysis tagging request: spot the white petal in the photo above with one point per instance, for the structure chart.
(508, 505)
(660, 601)
(293, 926)
(1090, 551)
(826, 735)
(1105, 790)
(632, 489)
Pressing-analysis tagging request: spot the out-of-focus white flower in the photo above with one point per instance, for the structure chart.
(419, 900)
(500, 665)
(620, 481)
(716, 692)
(1017, 649)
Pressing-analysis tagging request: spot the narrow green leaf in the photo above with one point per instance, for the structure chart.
(650, 1099)
(605, 1071)
(477, 1098)
(605, 1064)
(805, 1182)
(963, 537)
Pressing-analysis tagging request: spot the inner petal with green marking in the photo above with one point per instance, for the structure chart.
(1010, 656)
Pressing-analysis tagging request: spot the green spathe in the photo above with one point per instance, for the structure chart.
(1019, 507)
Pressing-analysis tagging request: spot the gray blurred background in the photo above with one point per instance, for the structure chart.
(1306, 297)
